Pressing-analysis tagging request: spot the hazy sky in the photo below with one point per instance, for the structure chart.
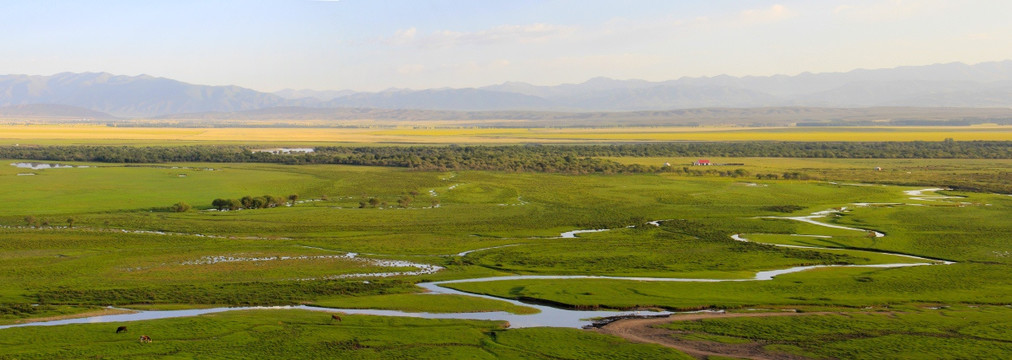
(372, 45)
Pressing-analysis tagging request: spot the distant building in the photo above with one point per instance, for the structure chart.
(702, 162)
(877, 168)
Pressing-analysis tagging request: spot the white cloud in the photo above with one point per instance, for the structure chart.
(774, 13)
(883, 10)
(401, 37)
(521, 34)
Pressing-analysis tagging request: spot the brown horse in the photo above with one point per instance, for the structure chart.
(121, 329)
(335, 317)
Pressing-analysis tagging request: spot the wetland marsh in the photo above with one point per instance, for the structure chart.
(654, 244)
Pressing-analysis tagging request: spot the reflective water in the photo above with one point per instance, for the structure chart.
(41, 166)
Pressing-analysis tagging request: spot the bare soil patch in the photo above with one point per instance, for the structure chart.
(645, 331)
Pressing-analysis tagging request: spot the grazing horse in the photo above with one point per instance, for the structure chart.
(121, 329)
(145, 339)
(335, 317)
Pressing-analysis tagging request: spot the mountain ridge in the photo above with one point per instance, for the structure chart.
(144, 96)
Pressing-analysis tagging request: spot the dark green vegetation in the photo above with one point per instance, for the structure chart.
(946, 333)
(78, 238)
(250, 202)
(538, 158)
(312, 335)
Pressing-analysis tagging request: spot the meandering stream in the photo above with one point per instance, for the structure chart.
(548, 316)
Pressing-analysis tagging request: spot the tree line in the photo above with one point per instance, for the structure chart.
(250, 202)
(577, 159)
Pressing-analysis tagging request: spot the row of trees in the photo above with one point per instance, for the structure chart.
(403, 201)
(785, 176)
(250, 202)
(35, 222)
(575, 159)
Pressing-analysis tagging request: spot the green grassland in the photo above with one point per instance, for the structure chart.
(976, 235)
(283, 334)
(946, 333)
(424, 303)
(972, 174)
(847, 287)
(112, 257)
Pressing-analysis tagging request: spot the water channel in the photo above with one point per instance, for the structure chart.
(547, 315)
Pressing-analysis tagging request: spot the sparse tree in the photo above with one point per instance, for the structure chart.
(373, 202)
(273, 201)
(30, 220)
(257, 203)
(292, 198)
(181, 207)
(70, 222)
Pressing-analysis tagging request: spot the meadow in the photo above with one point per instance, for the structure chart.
(940, 332)
(279, 334)
(104, 235)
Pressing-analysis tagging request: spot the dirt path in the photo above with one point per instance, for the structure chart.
(643, 331)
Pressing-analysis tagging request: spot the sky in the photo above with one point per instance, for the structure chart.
(373, 45)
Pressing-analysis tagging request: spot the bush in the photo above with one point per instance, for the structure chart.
(783, 208)
(180, 207)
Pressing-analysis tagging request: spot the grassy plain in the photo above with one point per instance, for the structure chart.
(973, 174)
(283, 334)
(951, 333)
(98, 134)
(424, 303)
(113, 255)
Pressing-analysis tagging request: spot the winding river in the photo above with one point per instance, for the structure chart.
(547, 316)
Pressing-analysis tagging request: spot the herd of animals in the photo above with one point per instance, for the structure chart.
(144, 338)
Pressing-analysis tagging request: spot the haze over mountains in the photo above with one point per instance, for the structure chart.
(944, 85)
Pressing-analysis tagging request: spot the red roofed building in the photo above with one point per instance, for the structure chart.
(702, 162)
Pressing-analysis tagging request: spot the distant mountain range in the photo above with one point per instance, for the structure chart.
(65, 112)
(129, 96)
(765, 116)
(944, 85)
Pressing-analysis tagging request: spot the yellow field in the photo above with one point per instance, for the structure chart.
(95, 134)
